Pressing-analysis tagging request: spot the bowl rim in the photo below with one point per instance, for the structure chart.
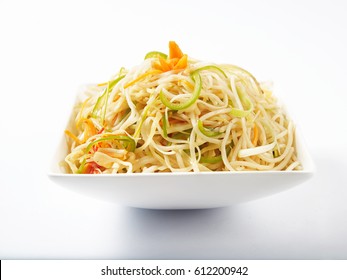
(174, 174)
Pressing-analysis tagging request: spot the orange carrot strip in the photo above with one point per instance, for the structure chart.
(141, 77)
(116, 98)
(255, 135)
(157, 66)
(173, 62)
(175, 51)
(164, 64)
(73, 137)
(90, 129)
(81, 111)
(182, 63)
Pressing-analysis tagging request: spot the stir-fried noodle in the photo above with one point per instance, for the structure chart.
(176, 114)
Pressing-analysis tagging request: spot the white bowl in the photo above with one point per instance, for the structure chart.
(186, 190)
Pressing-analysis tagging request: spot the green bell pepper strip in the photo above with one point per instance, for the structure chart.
(101, 104)
(217, 158)
(130, 142)
(240, 113)
(80, 169)
(210, 159)
(195, 95)
(211, 67)
(207, 132)
(155, 54)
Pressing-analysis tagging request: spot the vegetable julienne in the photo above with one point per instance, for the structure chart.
(173, 113)
(194, 96)
(206, 132)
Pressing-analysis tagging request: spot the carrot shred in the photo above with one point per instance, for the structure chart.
(176, 60)
(156, 66)
(90, 129)
(165, 66)
(173, 62)
(116, 98)
(73, 136)
(255, 135)
(175, 51)
(182, 63)
(157, 71)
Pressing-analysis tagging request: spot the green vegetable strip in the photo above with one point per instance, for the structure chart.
(210, 159)
(165, 123)
(211, 67)
(101, 103)
(155, 54)
(184, 135)
(195, 95)
(80, 169)
(276, 152)
(98, 104)
(217, 158)
(127, 139)
(244, 99)
(130, 142)
(106, 101)
(205, 131)
(239, 113)
(234, 67)
(142, 119)
(127, 111)
(114, 82)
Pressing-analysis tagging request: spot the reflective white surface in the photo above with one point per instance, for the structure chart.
(47, 52)
(46, 221)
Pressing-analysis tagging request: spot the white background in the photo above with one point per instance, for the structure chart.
(48, 49)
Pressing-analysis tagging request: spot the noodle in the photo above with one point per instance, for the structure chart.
(177, 114)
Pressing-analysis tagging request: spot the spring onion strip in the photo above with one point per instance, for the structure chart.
(195, 95)
(211, 67)
(122, 138)
(247, 103)
(100, 108)
(165, 123)
(207, 132)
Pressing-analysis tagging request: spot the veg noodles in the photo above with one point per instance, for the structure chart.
(173, 113)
